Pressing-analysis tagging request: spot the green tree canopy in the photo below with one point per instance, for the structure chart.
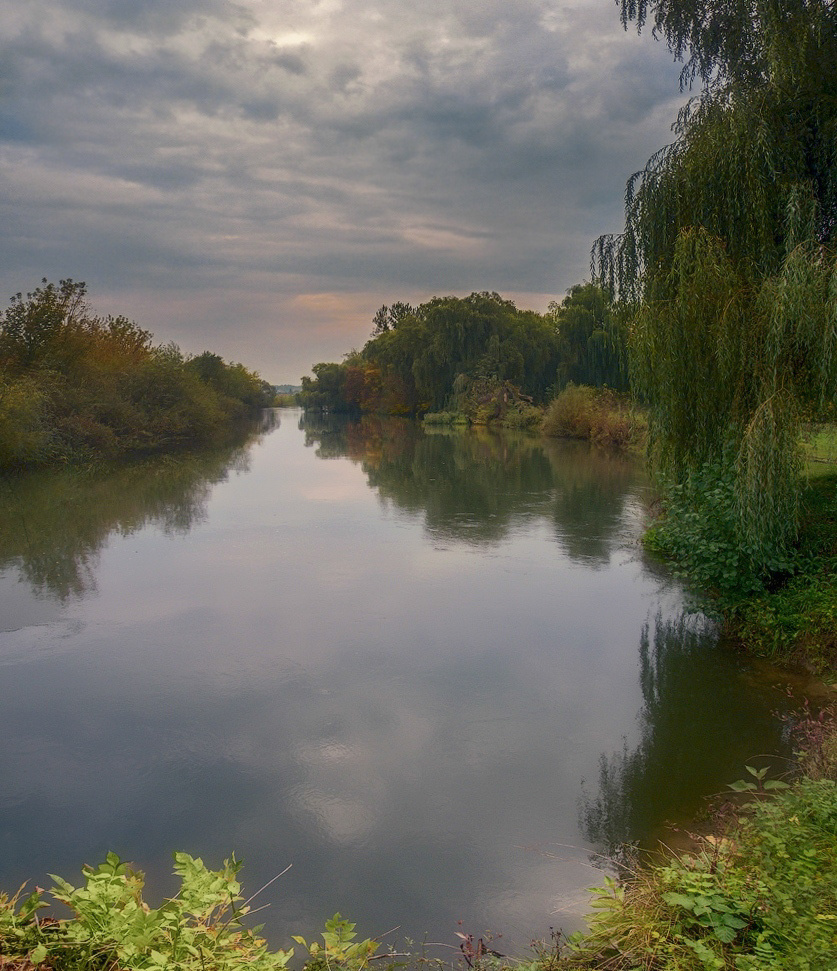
(591, 342)
(416, 354)
(727, 257)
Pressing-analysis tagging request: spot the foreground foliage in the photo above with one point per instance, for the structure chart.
(199, 928)
(76, 386)
(761, 898)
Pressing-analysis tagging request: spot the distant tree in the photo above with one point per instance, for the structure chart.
(388, 318)
(591, 343)
(75, 384)
(412, 361)
(326, 390)
(32, 327)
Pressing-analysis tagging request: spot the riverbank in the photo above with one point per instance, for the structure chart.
(76, 387)
(759, 894)
(599, 415)
(791, 618)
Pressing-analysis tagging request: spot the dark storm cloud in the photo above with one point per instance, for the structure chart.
(283, 157)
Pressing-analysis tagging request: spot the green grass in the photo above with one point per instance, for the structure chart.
(820, 449)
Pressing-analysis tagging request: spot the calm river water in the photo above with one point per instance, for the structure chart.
(431, 670)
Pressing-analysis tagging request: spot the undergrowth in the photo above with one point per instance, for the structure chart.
(783, 606)
(762, 898)
(797, 620)
(758, 895)
(599, 415)
(201, 928)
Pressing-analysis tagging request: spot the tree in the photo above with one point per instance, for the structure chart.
(727, 258)
(416, 355)
(388, 318)
(591, 342)
(32, 327)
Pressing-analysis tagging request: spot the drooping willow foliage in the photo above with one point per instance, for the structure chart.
(727, 260)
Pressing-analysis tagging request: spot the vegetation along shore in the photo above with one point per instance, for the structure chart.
(79, 387)
(708, 332)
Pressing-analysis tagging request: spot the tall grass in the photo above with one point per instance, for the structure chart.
(599, 415)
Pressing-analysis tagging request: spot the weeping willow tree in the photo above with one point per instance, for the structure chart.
(727, 260)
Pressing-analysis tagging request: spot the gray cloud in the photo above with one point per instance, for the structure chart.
(258, 177)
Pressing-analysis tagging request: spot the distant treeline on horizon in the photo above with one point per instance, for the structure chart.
(419, 359)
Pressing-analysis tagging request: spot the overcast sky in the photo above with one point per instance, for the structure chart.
(256, 178)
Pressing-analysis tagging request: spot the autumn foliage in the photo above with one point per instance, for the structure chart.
(74, 384)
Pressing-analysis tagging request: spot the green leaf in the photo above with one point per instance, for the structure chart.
(38, 955)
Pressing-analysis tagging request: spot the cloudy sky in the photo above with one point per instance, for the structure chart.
(257, 177)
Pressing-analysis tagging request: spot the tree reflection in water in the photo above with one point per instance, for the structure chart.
(695, 736)
(474, 485)
(55, 524)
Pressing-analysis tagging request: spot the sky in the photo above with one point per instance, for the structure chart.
(257, 178)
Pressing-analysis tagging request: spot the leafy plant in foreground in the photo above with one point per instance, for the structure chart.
(339, 946)
(201, 927)
(763, 898)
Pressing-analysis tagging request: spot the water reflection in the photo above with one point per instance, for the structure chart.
(697, 731)
(477, 485)
(54, 524)
(392, 669)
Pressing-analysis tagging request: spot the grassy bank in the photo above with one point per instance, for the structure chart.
(788, 612)
(795, 622)
(599, 415)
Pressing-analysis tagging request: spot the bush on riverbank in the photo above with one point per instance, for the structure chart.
(795, 621)
(78, 386)
(600, 415)
(763, 897)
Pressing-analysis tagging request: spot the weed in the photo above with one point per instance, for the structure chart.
(762, 898)
(199, 929)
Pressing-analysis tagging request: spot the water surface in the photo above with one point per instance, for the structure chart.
(433, 671)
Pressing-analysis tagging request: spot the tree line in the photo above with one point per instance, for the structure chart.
(77, 385)
(717, 302)
(418, 358)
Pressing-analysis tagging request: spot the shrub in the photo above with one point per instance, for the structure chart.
(571, 414)
(701, 530)
(598, 415)
(24, 432)
(199, 929)
(764, 898)
(74, 385)
(445, 418)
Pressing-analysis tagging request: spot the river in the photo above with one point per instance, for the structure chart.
(433, 671)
